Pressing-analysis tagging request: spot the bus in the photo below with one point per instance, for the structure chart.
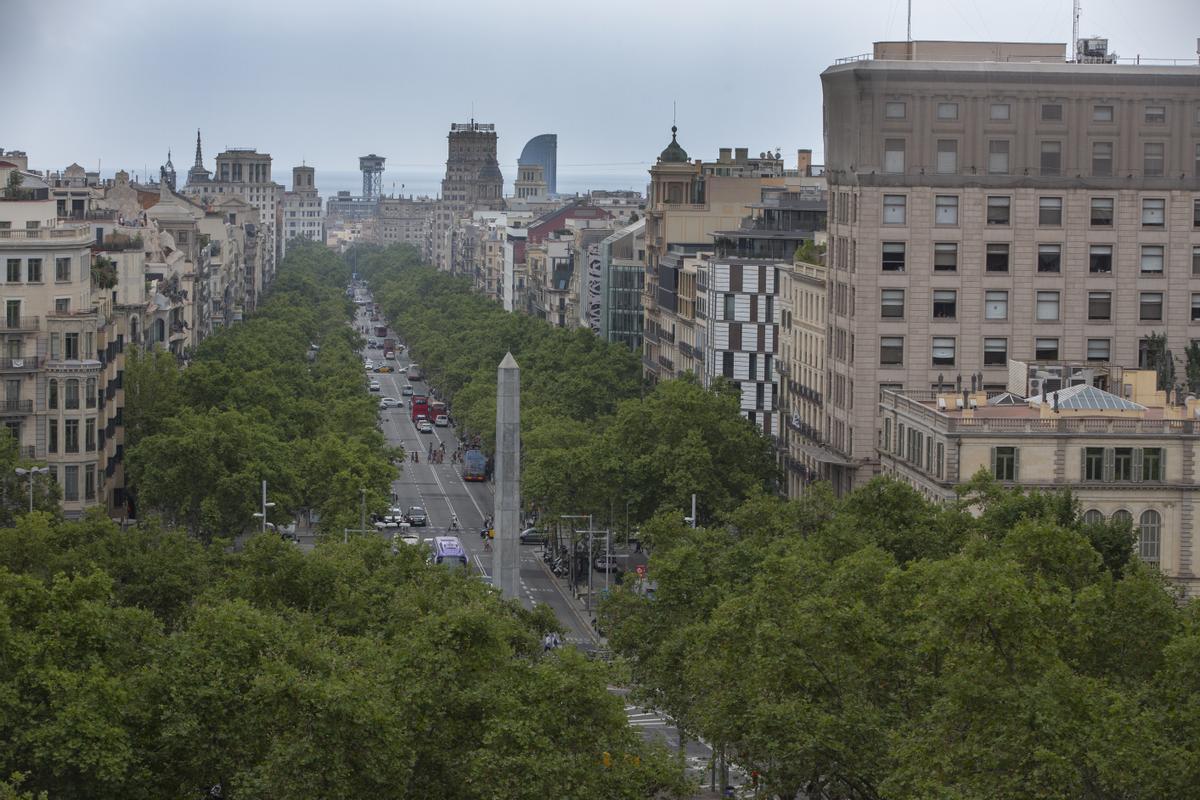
(436, 409)
(474, 466)
(448, 550)
(420, 406)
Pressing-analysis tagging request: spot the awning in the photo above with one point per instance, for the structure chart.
(825, 455)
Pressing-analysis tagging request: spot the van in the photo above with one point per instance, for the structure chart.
(449, 550)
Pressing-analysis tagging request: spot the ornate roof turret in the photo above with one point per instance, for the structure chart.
(673, 154)
(197, 174)
(199, 158)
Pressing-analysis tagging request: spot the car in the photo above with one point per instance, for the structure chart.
(423, 426)
(375, 387)
(389, 402)
(369, 364)
(407, 390)
(607, 563)
(372, 343)
(409, 538)
(384, 368)
(416, 517)
(533, 536)
(441, 420)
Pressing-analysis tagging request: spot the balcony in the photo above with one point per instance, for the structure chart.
(8, 407)
(649, 363)
(19, 323)
(82, 234)
(26, 364)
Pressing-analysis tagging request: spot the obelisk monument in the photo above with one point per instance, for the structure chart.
(505, 558)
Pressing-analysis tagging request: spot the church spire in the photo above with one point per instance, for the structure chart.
(199, 158)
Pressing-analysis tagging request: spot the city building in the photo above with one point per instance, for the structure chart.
(244, 172)
(689, 201)
(302, 215)
(473, 181)
(1128, 455)
(403, 220)
(622, 272)
(991, 201)
(803, 294)
(541, 154)
(531, 182)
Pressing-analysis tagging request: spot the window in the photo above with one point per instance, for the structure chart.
(33, 270)
(1196, 207)
(62, 268)
(1102, 158)
(1152, 159)
(998, 157)
(1092, 517)
(89, 397)
(1100, 258)
(1000, 111)
(1099, 305)
(1102, 212)
(1122, 463)
(89, 475)
(995, 305)
(1154, 212)
(1196, 260)
(999, 210)
(1196, 164)
(1051, 161)
(1093, 463)
(894, 209)
(1049, 258)
(1045, 349)
(1004, 463)
(995, 352)
(71, 483)
(62, 305)
(996, 257)
(945, 257)
(894, 110)
(947, 111)
(893, 155)
(891, 303)
(945, 210)
(1195, 307)
(89, 435)
(1152, 259)
(1151, 306)
(71, 399)
(1156, 115)
(71, 436)
(729, 307)
(1052, 112)
(1050, 211)
(52, 393)
(14, 270)
(1152, 464)
(943, 351)
(71, 346)
(945, 304)
(891, 350)
(1047, 306)
(1102, 113)
(947, 156)
(1123, 518)
(1149, 536)
(1098, 349)
(893, 256)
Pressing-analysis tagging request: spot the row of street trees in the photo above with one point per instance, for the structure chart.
(883, 646)
(144, 664)
(255, 405)
(595, 439)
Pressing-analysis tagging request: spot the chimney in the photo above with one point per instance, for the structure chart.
(724, 154)
(741, 154)
(804, 162)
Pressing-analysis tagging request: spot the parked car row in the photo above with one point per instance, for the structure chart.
(396, 517)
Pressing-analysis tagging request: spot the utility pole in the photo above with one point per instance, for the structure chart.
(362, 512)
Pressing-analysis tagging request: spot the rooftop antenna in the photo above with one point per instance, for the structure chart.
(1075, 29)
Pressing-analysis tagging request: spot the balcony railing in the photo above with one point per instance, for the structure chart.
(28, 363)
(19, 323)
(16, 406)
(47, 234)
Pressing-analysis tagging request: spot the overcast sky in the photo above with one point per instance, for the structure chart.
(123, 80)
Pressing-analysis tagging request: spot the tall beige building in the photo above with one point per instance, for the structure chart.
(996, 202)
(473, 181)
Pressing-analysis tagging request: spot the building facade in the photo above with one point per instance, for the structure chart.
(302, 214)
(1131, 456)
(473, 181)
(541, 152)
(403, 220)
(622, 256)
(801, 364)
(996, 202)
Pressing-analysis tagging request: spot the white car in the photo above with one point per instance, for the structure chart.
(389, 402)
(374, 386)
(441, 420)
(369, 364)
(423, 426)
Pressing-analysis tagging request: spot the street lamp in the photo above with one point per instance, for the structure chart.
(32, 471)
(265, 506)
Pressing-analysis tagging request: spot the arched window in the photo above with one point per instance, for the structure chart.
(160, 330)
(71, 395)
(1123, 516)
(1092, 517)
(89, 397)
(1149, 536)
(52, 394)
(133, 331)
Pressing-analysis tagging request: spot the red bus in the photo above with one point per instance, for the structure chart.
(420, 407)
(436, 409)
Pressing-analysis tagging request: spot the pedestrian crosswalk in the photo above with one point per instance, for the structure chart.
(638, 717)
